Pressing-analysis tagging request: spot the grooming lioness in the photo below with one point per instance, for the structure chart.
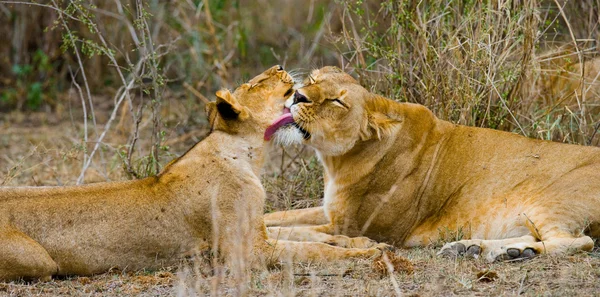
(211, 196)
(396, 173)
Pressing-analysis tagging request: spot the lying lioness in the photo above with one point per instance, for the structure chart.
(396, 173)
(211, 196)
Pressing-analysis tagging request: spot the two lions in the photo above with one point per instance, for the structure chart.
(210, 197)
(396, 173)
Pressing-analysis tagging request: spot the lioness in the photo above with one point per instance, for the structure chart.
(211, 196)
(396, 173)
(564, 81)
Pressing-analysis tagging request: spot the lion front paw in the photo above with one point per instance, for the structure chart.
(517, 251)
(463, 248)
(494, 250)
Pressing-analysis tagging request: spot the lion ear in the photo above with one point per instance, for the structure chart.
(228, 107)
(382, 125)
(380, 119)
(342, 95)
(211, 113)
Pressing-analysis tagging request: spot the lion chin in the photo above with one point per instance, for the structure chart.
(288, 135)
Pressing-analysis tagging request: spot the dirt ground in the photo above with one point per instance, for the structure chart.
(577, 275)
(44, 149)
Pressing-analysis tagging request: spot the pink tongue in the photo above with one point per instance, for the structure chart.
(283, 120)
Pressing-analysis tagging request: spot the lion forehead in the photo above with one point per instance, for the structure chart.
(329, 74)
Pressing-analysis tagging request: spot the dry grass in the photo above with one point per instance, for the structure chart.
(41, 151)
(512, 65)
(293, 179)
(509, 65)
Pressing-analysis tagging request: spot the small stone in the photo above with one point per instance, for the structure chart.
(487, 276)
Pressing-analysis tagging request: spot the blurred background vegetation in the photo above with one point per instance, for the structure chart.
(208, 44)
(130, 77)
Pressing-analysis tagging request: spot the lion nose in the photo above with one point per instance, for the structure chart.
(299, 98)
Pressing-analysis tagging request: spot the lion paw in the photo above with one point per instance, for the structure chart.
(517, 251)
(385, 247)
(457, 249)
(352, 242)
(380, 248)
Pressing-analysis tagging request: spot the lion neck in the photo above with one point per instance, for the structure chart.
(400, 162)
(249, 149)
(342, 168)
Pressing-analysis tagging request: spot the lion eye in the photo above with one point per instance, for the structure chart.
(338, 101)
(288, 93)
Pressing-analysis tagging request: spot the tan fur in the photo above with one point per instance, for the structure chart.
(563, 81)
(396, 173)
(209, 197)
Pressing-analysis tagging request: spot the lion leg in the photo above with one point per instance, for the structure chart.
(306, 216)
(281, 250)
(297, 233)
(23, 257)
(322, 233)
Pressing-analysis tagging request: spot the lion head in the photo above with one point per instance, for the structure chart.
(253, 105)
(332, 112)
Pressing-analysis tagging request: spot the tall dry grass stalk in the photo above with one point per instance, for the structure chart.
(482, 63)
